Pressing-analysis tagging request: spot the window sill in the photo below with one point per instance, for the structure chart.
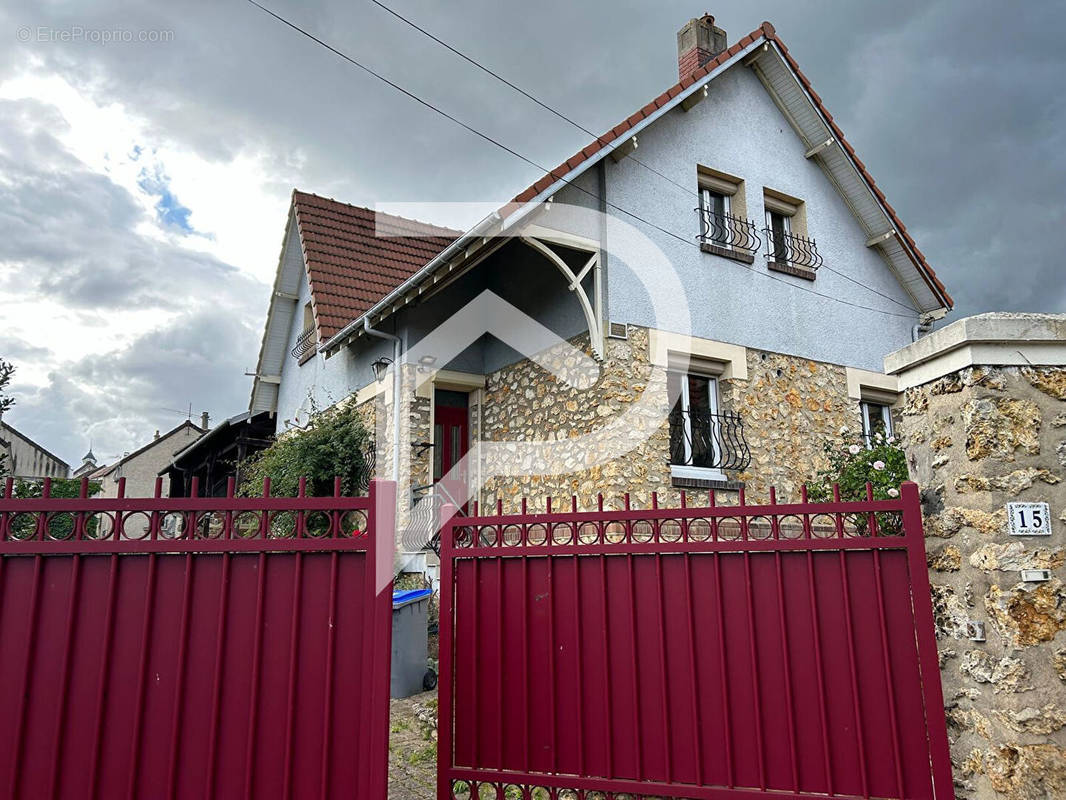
(736, 255)
(307, 356)
(719, 485)
(682, 477)
(792, 269)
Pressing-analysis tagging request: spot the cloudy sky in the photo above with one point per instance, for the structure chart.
(144, 184)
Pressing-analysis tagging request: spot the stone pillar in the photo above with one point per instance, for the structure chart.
(984, 424)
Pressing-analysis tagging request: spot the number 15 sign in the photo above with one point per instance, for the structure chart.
(1029, 519)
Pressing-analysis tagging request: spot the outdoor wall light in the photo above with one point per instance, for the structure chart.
(425, 363)
(381, 366)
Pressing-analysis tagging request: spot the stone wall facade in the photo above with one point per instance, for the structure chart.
(789, 406)
(978, 438)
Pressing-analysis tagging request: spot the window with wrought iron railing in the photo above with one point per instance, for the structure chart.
(704, 441)
(788, 248)
(724, 233)
(305, 343)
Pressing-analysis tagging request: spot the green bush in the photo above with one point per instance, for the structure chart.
(334, 443)
(60, 525)
(853, 464)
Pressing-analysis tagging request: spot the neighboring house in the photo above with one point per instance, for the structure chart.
(28, 460)
(215, 457)
(799, 278)
(141, 467)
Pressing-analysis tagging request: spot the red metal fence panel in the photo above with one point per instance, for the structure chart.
(696, 652)
(214, 647)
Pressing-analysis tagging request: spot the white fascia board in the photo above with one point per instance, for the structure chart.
(275, 294)
(912, 256)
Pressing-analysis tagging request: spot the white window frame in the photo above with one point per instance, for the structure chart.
(686, 470)
(867, 427)
(705, 210)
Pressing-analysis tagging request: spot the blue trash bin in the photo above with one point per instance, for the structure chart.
(410, 641)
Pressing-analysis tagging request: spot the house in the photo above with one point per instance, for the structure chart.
(141, 467)
(720, 265)
(26, 459)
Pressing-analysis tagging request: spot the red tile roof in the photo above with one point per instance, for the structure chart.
(355, 256)
(764, 30)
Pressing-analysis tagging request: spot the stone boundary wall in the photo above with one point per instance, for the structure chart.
(978, 438)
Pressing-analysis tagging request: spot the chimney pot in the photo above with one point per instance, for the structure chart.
(157, 433)
(699, 41)
(204, 420)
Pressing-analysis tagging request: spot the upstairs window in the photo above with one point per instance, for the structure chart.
(723, 229)
(713, 208)
(779, 227)
(788, 248)
(876, 419)
(305, 342)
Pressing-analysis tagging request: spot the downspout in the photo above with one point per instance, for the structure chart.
(396, 390)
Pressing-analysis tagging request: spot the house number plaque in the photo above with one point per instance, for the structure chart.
(1029, 519)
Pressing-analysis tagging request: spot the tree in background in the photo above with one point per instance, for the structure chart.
(7, 369)
(334, 443)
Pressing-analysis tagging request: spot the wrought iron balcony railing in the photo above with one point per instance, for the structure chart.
(305, 343)
(728, 232)
(790, 249)
(703, 439)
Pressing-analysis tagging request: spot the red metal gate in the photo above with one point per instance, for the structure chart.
(697, 652)
(213, 647)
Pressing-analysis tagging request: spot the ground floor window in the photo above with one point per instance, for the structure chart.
(876, 419)
(694, 424)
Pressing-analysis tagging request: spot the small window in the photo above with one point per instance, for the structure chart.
(876, 420)
(713, 208)
(309, 317)
(778, 226)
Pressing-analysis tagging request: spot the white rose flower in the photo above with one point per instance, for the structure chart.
(879, 465)
(854, 449)
(893, 492)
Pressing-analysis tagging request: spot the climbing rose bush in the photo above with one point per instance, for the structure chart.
(852, 465)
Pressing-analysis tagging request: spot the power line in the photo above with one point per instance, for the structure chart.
(543, 169)
(599, 139)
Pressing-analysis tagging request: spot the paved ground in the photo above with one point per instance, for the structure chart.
(413, 748)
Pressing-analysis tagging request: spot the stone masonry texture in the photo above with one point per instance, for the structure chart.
(789, 406)
(978, 439)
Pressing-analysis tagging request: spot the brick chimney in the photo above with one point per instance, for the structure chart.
(697, 43)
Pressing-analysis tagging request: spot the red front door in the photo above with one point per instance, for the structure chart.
(451, 440)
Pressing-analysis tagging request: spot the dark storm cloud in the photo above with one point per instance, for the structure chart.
(954, 105)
